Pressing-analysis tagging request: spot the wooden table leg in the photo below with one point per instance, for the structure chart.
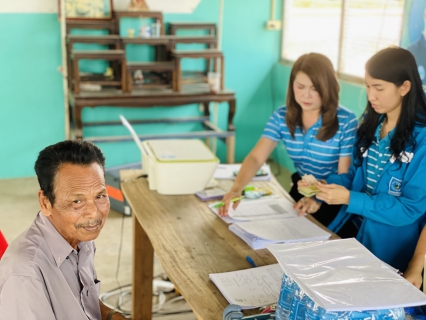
(178, 75)
(76, 74)
(129, 84)
(231, 113)
(124, 76)
(78, 122)
(230, 145)
(222, 71)
(143, 269)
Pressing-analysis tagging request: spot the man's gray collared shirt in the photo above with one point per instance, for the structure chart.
(42, 277)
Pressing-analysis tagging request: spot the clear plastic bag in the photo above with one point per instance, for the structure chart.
(342, 275)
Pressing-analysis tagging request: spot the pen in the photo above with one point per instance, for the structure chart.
(250, 260)
(221, 204)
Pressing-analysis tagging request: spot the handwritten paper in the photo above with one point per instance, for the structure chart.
(250, 288)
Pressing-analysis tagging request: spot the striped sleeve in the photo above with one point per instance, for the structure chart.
(272, 129)
(348, 135)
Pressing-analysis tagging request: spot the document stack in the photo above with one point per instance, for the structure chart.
(270, 220)
(258, 233)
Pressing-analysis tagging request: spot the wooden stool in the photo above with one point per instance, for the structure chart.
(204, 54)
(110, 55)
(158, 66)
(113, 41)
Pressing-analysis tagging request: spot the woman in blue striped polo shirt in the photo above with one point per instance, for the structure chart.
(317, 132)
(384, 192)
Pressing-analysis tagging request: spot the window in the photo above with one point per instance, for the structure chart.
(348, 32)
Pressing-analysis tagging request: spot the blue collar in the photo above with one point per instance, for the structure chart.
(379, 129)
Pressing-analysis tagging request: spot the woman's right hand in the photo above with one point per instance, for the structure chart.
(223, 210)
(414, 276)
(302, 184)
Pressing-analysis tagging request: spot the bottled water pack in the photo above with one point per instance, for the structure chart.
(294, 304)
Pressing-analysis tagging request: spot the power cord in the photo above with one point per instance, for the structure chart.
(126, 290)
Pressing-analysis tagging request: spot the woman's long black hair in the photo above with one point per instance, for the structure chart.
(394, 65)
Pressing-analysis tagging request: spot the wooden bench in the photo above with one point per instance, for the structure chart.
(208, 54)
(156, 66)
(162, 97)
(109, 55)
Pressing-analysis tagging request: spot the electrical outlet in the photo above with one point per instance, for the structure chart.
(273, 25)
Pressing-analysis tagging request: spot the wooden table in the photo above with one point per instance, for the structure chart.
(195, 93)
(190, 241)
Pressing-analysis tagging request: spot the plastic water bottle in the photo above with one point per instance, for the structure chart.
(388, 314)
(298, 305)
(409, 313)
(288, 287)
(315, 312)
(385, 314)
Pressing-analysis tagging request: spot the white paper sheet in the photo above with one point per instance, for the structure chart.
(263, 208)
(227, 219)
(250, 288)
(226, 172)
(298, 228)
(342, 275)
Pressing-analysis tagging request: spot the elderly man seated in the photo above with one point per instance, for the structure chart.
(47, 272)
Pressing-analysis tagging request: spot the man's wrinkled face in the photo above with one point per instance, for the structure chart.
(81, 202)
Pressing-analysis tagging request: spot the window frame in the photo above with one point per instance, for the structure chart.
(340, 75)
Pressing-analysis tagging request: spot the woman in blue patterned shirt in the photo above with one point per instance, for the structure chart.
(317, 132)
(384, 191)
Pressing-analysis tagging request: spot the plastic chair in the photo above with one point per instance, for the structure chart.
(3, 244)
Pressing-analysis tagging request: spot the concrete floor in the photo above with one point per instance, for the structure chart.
(19, 204)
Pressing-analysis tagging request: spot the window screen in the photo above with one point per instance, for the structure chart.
(348, 32)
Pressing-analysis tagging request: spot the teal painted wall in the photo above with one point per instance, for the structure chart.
(31, 88)
(31, 97)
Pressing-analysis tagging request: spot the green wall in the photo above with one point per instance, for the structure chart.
(31, 96)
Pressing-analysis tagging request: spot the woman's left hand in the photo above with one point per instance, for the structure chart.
(307, 205)
(332, 193)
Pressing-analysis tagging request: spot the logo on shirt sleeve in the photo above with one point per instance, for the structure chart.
(395, 187)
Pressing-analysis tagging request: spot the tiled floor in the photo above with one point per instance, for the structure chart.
(19, 206)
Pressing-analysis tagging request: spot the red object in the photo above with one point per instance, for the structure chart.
(115, 193)
(3, 244)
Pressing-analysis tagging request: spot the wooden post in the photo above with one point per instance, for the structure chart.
(143, 269)
(230, 145)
